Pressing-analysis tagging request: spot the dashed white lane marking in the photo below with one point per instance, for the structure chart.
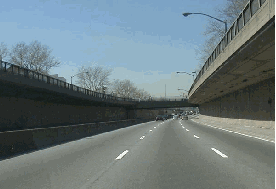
(122, 154)
(196, 136)
(183, 127)
(150, 130)
(187, 130)
(142, 137)
(219, 153)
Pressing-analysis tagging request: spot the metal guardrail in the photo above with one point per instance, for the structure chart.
(167, 99)
(246, 14)
(17, 70)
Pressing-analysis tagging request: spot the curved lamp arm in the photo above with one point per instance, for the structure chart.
(187, 14)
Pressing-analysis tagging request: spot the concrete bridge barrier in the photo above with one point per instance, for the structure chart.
(14, 143)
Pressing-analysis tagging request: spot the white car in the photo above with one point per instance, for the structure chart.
(175, 117)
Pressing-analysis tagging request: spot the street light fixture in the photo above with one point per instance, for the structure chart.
(75, 75)
(188, 74)
(225, 23)
(183, 90)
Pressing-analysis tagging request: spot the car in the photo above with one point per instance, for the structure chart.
(189, 112)
(184, 117)
(175, 117)
(159, 117)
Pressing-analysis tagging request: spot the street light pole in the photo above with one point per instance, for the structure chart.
(225, 23)
(71, 79)
(183, 90)
(165, 91)
(75, 75)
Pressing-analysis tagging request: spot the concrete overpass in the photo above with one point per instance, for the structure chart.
(24, 83)
(33, 100)
(164, 104)
(238, 80)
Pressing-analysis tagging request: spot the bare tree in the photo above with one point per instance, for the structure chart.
(142, 94)
(34, 56)
(232, 9)
(94, 77)
(3, 51)
(229, 13)
(127, 89)
(215, 30)
(205, 51)
(114, 87)
(40, 58)
(19, 54)
(124, 88)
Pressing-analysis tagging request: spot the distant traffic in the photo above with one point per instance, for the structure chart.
(180, 115)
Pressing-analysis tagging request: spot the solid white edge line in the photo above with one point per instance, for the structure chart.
(238, 132)
(219, 153)
(122, 154)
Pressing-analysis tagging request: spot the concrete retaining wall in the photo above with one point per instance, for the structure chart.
(18, 142)
(146, 114)
(253, 105)
(20, 114)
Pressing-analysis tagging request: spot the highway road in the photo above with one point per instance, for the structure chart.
(170, 154)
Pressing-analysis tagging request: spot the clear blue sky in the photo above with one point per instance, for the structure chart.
(144, 41)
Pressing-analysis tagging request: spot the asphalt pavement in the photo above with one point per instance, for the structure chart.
(169, 154)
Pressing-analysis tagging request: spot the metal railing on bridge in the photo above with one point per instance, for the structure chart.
(28, 73)
(167, 99)
(17, 70)
(246, 14)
